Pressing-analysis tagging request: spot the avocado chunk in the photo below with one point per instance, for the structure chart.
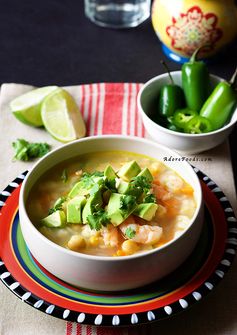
(109, 172)
(78, 189)
(74, 209)
(146, 211)
(129, 170)
(120, 207)
(92, 205)
(126, 188)
(83, 187)
(55, 220)
(146, 173)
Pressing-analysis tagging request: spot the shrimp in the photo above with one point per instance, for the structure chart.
(187, 207)
(110, 236)
(144, 234)
(171, 181)
(160, 192)
(182, 222)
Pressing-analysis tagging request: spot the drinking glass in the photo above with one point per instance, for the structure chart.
(117, 13)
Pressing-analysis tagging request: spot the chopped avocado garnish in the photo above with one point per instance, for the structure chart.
(146, 211)
(120, 207)
(26, 151)
(98, 219)
(57, 205)
(130, 233)
(102, 197)
(55, 220)
(129, 189)
(109, 172)
(129, 170)
(64, 176)
(86, 183)
(93, 204)
(146, 173)
(78, 189)
(74, 209)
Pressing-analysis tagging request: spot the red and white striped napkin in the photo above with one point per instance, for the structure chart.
(109, 108)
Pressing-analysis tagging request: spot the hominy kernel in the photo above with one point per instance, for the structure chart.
(120, 253)
(76, 242)
(129, 247)
(94, 241)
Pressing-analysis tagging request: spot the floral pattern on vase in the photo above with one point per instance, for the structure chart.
(193, 29)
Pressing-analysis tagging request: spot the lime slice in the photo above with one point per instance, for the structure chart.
(27, 107)
(61, 116)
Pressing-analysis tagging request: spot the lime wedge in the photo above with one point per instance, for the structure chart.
(61, 116)
(27, 107)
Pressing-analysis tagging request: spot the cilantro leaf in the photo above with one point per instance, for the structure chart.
(97, 220)
(98, 174)
(26, 151)
(149, 198)
(127, 202)
(64, 176)
(110, 184)
(130, 233)
(88, 181)
(58, 205)
(141, 182)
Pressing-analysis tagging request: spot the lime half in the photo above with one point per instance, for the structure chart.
(27, 107)
(61, 116)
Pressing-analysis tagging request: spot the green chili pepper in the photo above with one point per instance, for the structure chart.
(171, 97)
(198, 125)
(195, 82)
(221, 103)
(182, 116)
(173, 127)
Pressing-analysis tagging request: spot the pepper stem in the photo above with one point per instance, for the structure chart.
(168, 71)
(233, 80)
(196, 52)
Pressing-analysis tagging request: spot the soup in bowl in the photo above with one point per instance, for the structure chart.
(114, 218)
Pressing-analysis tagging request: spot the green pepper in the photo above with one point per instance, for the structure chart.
(171, 97)
(221, 103)
(182, 116)
(173, 127)
(195, 82)
(198, 125)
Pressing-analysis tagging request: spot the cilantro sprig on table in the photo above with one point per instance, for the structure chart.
(26, 151)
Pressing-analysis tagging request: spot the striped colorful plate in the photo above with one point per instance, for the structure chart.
(202, 271)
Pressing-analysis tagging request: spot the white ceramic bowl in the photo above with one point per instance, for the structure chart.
(147, 101)
(110, 273)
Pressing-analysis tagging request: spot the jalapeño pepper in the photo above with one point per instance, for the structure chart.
(221, 103)
(182, 116)
(195, 82)
(171, 97)
(198, 125)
